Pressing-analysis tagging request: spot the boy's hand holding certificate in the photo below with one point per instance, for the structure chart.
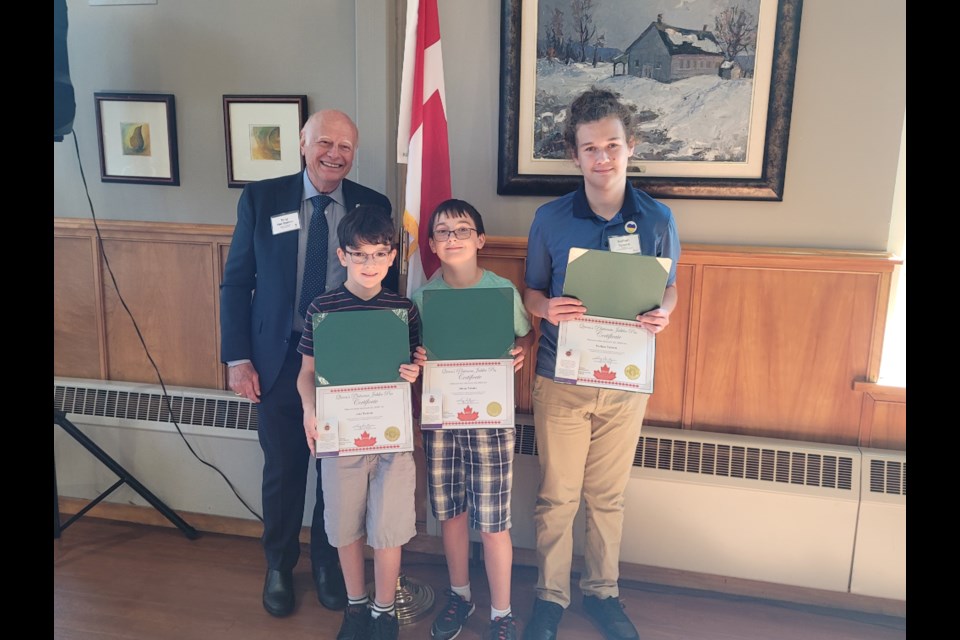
(609, 348)
(363, 406)
(468, 377)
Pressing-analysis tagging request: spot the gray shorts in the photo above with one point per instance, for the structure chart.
(370, 495)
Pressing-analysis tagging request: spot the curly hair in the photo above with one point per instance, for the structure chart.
(593, 105)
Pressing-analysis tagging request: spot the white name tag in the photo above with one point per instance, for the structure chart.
(625, 244)
(284, 222)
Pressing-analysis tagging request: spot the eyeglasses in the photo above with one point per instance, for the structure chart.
(378, 257)
(462, 233)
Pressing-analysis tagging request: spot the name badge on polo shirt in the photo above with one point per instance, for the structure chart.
(284, 222)
(625, 244)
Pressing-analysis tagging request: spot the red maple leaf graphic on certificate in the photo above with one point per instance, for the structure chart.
(364, 440)
(604, 373)
(468, 414)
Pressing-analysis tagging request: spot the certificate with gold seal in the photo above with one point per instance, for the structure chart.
(612, 353)
(468, 394)
(364, 418)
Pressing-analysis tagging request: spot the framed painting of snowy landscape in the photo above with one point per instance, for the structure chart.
(710, 83)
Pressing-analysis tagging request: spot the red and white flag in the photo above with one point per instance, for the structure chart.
(422, 136)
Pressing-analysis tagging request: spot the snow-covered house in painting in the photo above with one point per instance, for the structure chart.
(668, 53)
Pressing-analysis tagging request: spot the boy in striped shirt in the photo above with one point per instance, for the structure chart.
(370, 495)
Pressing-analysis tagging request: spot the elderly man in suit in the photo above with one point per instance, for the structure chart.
(282, 254)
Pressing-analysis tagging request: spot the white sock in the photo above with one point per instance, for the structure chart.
(463, 592)
(379, 609)
(358, 600)
(498, 613)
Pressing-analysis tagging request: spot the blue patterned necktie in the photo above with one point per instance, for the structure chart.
(315, 261)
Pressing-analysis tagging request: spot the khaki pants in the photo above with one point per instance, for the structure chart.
(586, 439)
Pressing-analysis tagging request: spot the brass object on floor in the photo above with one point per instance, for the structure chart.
(413, 599)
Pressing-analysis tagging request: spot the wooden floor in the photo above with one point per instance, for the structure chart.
(122, 580)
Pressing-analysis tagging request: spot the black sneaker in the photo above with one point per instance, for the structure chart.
(607, 614)
(450, 621)
(504, 628)
(544, 620)
(356, 623)
(384, 627)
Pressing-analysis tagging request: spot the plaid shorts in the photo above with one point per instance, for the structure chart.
(471, 469)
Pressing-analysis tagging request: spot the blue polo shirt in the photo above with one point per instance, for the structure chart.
(569, 222)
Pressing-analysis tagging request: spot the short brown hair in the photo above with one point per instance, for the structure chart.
(593, 105)
(454, 208)
(365, 224)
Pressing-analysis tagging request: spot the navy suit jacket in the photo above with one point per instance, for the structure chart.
(260, 277)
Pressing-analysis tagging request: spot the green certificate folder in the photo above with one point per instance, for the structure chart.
(616, 285)
(360, 347)
(468, 324)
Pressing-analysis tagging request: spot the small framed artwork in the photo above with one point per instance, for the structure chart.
(137, 134)
(262, 136)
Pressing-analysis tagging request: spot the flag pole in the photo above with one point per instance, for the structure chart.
(422, 146)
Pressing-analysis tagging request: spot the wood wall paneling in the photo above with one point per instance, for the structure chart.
(168, 271)
(665, 407)
(883, 419)
(77, 326)
(168, 286)
(777, 351)
(889, 428)
(764, 341)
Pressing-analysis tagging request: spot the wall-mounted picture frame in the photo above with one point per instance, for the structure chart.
(262, 134)
(712, 84)
(137, 135)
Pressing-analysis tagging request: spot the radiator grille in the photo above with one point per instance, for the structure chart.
(525, 442)
(888, 476)
(732, 461)
(687, 456)
(151, 407)
(749, 463)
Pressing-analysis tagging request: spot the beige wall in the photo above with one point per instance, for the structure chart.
(848, 112)
(200, 51)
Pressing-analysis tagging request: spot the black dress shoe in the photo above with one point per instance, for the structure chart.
(331, 591)
(278, 592)
(543, 621)
(607, 614)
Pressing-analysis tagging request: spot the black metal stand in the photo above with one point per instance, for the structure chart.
(60, 418)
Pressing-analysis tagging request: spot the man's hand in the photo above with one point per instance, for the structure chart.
(654, 321)
(244, 381)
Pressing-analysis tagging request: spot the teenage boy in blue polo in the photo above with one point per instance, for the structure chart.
(586, 437)
(365, 496)
(470, 471)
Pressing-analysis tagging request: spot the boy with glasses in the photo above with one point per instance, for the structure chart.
(470, 471)
(370, 495)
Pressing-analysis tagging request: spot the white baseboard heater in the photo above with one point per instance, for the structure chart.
(796, 513)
